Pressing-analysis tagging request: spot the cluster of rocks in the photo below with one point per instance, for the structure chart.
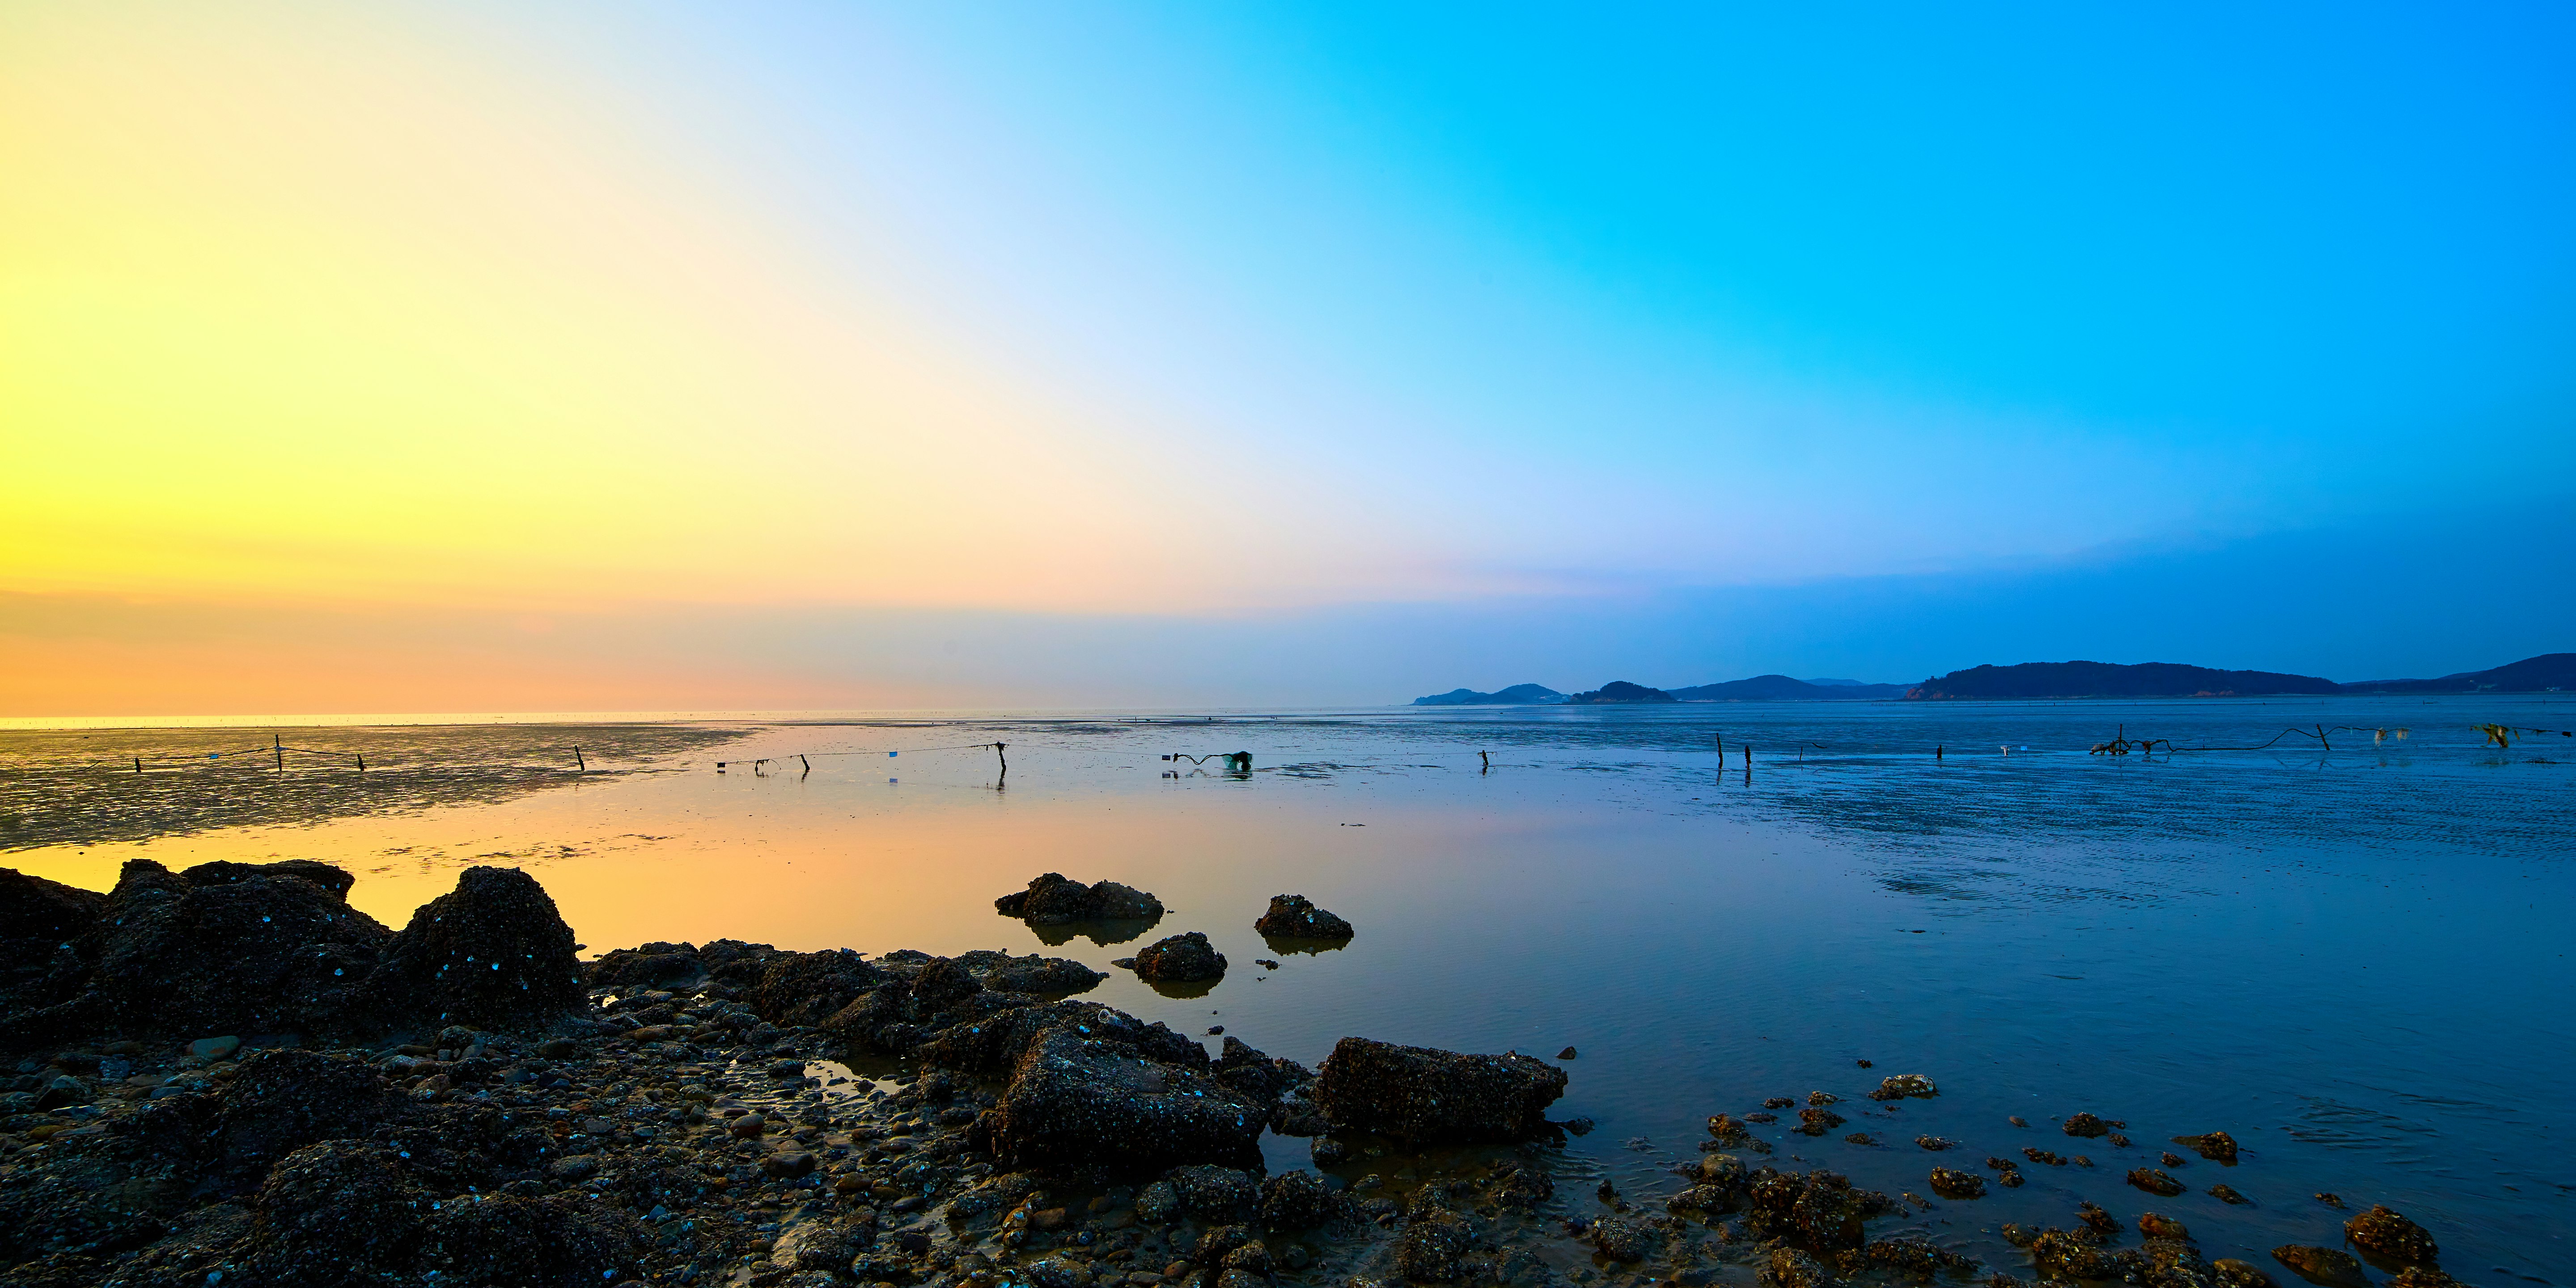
(1185, 959)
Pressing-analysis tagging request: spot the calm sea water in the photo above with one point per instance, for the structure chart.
(2352, 956)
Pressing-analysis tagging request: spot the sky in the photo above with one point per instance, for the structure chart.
(645, 357)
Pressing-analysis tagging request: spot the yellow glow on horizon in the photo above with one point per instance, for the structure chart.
(295, 304)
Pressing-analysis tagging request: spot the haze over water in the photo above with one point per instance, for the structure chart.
(2348, 957)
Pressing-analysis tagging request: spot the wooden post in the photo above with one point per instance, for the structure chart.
(277, 745)
(1006, 761)
(579, 763)
(1488, 759)
(362, 762)
(138, 764)
(800, 759)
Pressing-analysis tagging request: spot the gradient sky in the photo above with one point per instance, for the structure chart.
(452, 357)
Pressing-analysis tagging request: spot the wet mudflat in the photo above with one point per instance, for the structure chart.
(2339, 955)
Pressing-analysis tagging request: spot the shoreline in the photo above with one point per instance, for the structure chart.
(738, 1114)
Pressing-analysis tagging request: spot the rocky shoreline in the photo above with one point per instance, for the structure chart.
(228, 1076)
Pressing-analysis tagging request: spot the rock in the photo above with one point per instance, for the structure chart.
(1158, 1203)
(1210, 1193)
(1056, 1272)
(2155, 1226)
(1566, 1054)
(209, 1050)
(2235, 1273)
(2061, 1255)
(1620, 1239)
(646, 966)
(2085, 1125)
(492, 953)
(2328, 1266)
(1051, 900)
(2154, 1180)
(574, 1168)
(2383, 1233)
(1727, 1131)
(49, 947)
(1295, 1201)
(2225, 1193)
(2215, 1146)
(1790, 1268)
(346, 1203)
(1293, 916)
(1950, 1183)
(2422, 1277)
(788, 1163)
(1430, 1248)
(1425, 1096)
(1899, 1086)
(1047, 976)
(1095, 1101)
(277, 1103)
(809, 988)
(1820, 1211)
(1817, 1122)
(510, 1239)
(267, 948)
(1914, 1257)
(1180, 959)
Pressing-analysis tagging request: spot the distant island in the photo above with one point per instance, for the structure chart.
(2112, 680)
(2547, 673)
(1621, 691)
(1519, 695)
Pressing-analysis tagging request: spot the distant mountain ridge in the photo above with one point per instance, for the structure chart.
(1519, 695)
(2547, 673)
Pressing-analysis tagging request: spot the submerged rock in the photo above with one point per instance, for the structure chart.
(2331, 1267)
(2383, 1233)
(1181, 959)
(1293, 916)
(2085, 1125)
(1421, 1095)
(2155, 1181)
(1899, 1086)
(2217, 1146)
(1951, 1183)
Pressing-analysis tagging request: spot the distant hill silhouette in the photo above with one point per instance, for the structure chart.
(1780, 688)
(2112, 680)
(1621, 691)
(2547, 673)
(1519, 695)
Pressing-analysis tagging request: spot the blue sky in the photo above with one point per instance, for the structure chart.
(1455, 344)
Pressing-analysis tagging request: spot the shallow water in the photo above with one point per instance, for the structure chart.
(2352, 957)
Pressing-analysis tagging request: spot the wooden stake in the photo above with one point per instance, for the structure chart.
(578, 762)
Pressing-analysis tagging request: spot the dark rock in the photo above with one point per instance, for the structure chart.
(1566, 1054)
(1293, 916)
(1051, 900)
(646, 966)
(2062, 1255)
(809, 988)
(1727, 1131)
(1423, 1096)
(2154, 1180)
(1431, 1247)
(1914, 1257)
(1180, 959)
(1790, 1268)
(2331, 1267)
(2422, 1277)
(1295, 1201)
(49, 946)
(2226, 1193)
(1047, 976)
(2155, 1226)
(1778, 1102)
(1092, 1100)
(347, 1208)
(1817, 1122)
(2235, 1273)
(1209, 1193)
(2215, 1146)
(1820, 1211)
(1620, 1239)
(492, 953)
(278, 1102)
(2099, 1219)
(2085, 1125)
(2383, 1233)
(1951, 1183)
(543, 1242)
(249, 951)
(1900, 1086)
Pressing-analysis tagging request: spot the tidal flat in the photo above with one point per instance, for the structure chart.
(2344, 956)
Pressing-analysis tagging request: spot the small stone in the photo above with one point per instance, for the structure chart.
(2217, 1146)
(1900, 1086)
(2154, 1181)
(2085, 1125)
(1566, 1054)
(2155, 1226)
(1951, 1183)
(212, 1049)
(788, 1163)
(2226, 1193)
